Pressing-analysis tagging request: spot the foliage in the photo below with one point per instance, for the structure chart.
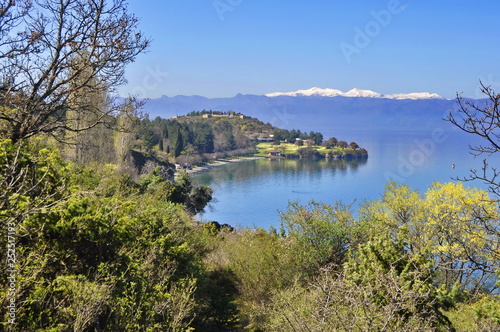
(330, 143)
(318, 234)
(192, 197)
(482, 314)
(56, 58)
(456, 225)
(381, 289)
(259, 263)
(97, 250)
(308, 152)
(188, 138)
(100, 251)
(382, 262)
(292, 135)
(293, 150)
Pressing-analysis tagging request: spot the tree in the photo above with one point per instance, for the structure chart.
(319, 234)
(204, 138)
(224, 139)
(105, 259)
(317, 137)
(43, 46)
(342, 144)
(331, 142)
(461, 230)
(309, 142)
(147, 134)
(178, 144)
(456, 226)
(11, 15)
(482, 120)
(381, 288)
(354, 145)
(308, 152)
(128, 123)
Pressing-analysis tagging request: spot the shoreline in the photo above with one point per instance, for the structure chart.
(219, 163)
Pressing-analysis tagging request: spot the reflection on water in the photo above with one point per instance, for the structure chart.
(242, 171)
(250, 193)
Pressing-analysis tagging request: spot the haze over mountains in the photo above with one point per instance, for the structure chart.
(321, 109)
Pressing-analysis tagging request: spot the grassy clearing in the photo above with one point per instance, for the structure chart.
(263, 149)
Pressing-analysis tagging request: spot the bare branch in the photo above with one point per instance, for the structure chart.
(67, 51)
(482, 120)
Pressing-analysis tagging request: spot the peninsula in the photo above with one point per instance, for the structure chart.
(202, 137)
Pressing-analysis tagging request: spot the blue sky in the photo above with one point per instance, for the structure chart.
(218, 48)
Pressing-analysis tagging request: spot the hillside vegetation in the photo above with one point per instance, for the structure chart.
(97, 235)
(96, 247)
(209, 135)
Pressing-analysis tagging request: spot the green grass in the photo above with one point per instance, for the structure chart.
(263, 149)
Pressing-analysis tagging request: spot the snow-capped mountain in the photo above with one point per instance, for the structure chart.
(319, 92)
(414, 95)
(321, 109)
(311, 92)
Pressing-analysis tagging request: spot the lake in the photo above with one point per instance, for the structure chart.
(250, 193)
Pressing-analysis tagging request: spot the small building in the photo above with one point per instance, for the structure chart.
(275, 153)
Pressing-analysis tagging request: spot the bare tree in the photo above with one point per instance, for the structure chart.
(53, 52)
(11, 14)
(481, 119)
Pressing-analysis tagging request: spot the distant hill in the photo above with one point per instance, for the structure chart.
(320, 109)
(201, 136)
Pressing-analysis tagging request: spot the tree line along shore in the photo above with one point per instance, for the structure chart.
(206, 136)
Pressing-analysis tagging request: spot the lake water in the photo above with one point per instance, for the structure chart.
(250, 193)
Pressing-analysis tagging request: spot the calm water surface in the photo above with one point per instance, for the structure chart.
(250, 193)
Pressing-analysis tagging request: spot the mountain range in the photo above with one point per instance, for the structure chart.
(318, 92)
(321, 109)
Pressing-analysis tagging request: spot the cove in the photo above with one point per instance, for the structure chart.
(251, 193)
